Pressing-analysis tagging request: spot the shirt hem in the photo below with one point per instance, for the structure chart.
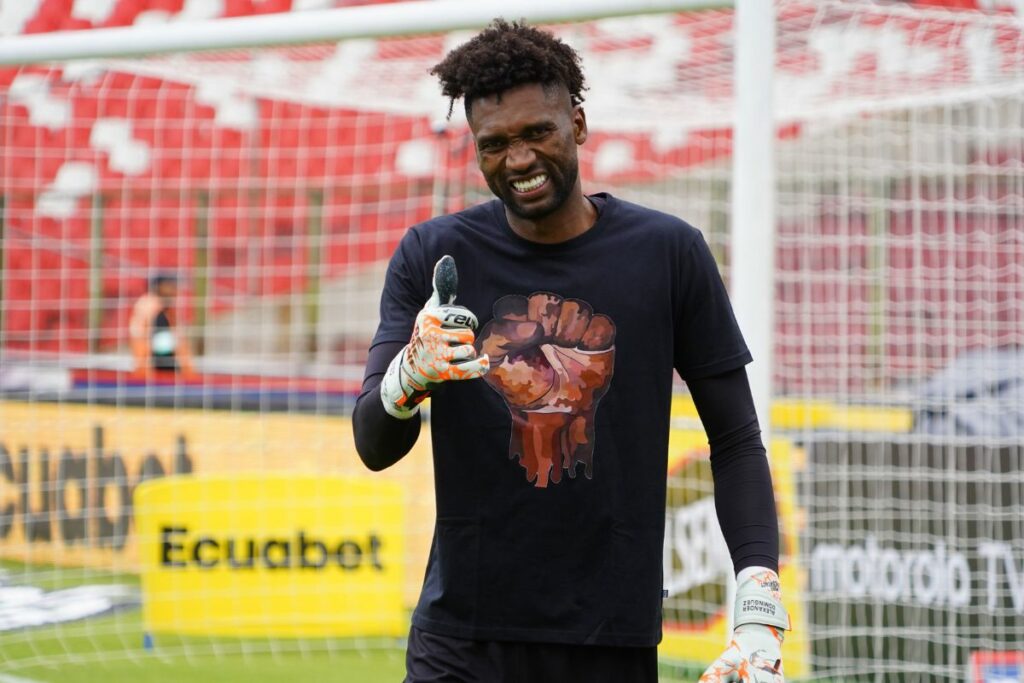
(533, 635)
(731, 363)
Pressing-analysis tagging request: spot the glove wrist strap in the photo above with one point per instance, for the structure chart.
(759, 599)
(392, 391)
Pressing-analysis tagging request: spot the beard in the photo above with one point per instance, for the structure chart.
(562, 180)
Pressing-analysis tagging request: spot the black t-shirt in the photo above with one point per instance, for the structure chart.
(550, 473)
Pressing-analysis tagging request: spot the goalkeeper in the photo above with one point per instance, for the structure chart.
(550, 420)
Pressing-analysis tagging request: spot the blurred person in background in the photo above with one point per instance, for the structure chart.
(157, 345)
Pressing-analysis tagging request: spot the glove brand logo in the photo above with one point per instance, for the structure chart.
(456, 319)
(552, 360)
(769, 581)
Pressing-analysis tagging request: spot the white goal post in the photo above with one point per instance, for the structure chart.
(369, 21)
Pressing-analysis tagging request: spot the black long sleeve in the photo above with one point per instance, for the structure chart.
(744, 498)
(381, 440)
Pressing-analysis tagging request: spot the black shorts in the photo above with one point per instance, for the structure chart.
(432, 658)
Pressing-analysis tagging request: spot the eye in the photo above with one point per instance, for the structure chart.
(536, 134)
(490, 146)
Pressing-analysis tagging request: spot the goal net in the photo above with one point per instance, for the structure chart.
(269, 185)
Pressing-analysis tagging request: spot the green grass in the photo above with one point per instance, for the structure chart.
(350, 667)
(109, 649)
(50, 578)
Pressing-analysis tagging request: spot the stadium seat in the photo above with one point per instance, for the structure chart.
(125, 12)
(17, 289)
(270, 6)
(238, 8)
(74, 24)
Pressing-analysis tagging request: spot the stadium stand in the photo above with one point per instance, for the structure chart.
(172, 147)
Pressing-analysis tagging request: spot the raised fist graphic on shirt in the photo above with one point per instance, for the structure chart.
(552, 360)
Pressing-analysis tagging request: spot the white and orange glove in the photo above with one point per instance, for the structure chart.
(441, 348)
(755, 653)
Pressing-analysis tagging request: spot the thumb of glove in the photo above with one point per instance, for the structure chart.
(446, 282)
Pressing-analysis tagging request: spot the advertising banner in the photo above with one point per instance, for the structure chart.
(68, 473)
(697, 562)
(271, 555)
(997, 667)
(915, 552)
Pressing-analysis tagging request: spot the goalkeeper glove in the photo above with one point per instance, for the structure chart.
(441, 348)
(755, 653)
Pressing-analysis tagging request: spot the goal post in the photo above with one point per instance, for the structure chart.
(369, 21)
(861, 193)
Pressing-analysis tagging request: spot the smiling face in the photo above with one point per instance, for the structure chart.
(526, 141)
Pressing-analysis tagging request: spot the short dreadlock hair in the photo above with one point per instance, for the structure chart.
(505, 55)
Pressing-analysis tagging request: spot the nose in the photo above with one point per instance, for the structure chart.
(520, 156)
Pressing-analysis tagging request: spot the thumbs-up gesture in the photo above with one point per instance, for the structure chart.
(440, 350)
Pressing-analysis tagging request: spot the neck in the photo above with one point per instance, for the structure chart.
(572, 218)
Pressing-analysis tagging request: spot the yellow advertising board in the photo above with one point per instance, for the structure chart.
(271, 555)
(69, 472)
(702, 637)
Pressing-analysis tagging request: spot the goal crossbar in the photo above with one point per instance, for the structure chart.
(346, 23)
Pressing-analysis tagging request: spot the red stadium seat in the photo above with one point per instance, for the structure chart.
(169, 6)
(237, 8)
(270, 6)
(125, 12)
(75, 24)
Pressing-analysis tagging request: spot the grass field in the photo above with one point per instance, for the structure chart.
(85, 657)
(110, 649)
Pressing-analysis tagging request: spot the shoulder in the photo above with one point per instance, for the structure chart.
(653, 223)
(147, 303)
(457, 234)
(480, 217)
(464, 234)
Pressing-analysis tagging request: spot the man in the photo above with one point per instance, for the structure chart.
(550, 426)
(156, 346)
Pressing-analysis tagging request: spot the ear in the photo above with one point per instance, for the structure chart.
(579, 124)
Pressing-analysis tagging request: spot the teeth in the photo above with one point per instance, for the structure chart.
(531, 184)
